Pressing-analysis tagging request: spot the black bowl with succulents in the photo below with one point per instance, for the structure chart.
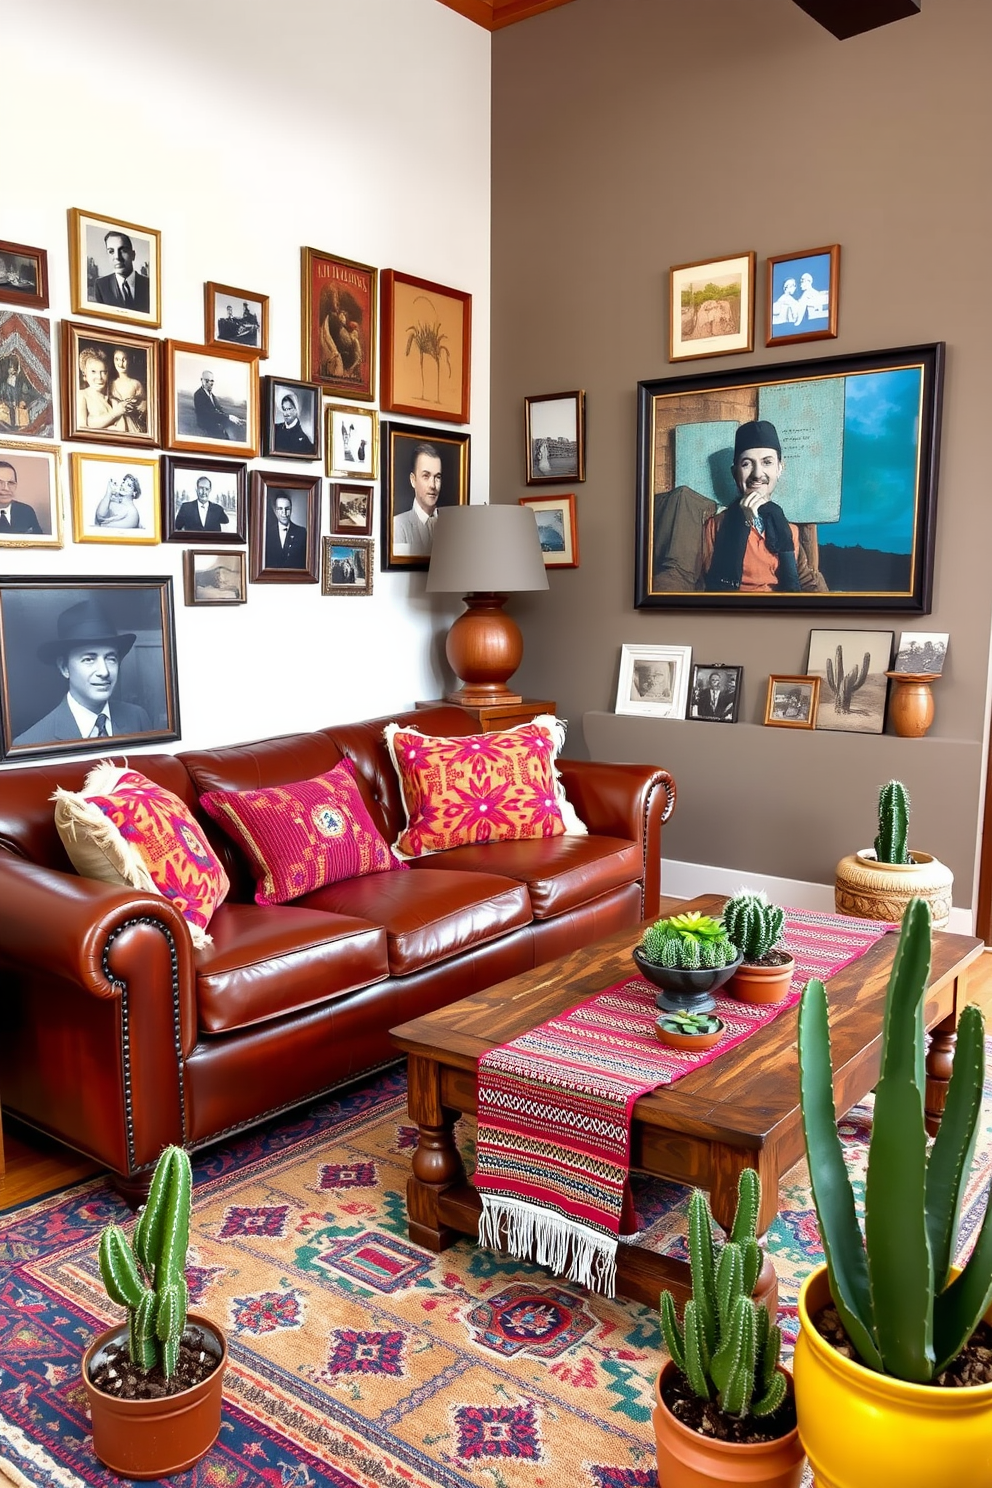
(687, 957)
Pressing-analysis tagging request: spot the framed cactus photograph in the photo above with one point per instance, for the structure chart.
(851, 666)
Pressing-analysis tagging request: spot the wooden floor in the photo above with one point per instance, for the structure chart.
(35, 1166)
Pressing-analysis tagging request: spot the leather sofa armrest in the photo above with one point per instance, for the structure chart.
(630, 801)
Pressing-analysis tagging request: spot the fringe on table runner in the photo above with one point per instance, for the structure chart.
(568, 1249)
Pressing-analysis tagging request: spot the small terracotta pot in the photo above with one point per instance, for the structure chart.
(156, 1438)
(690, 1043)
(761, 984)
(688, 1460)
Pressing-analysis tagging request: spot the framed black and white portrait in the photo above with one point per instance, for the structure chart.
(30, 495)
(211, 399)
(86, 661)
(114, 268)
(214, 577)
(654, 680)
(110, 386)
(284, 527)
(26, 409)
(291, 419)
(422, 470)
(204, 500)
(715, 692)
(236, 317)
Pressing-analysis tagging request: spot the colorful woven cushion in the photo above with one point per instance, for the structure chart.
(481, 788)
(124, 829)
(302, 836)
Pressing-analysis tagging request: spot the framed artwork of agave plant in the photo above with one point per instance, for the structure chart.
(426, 348)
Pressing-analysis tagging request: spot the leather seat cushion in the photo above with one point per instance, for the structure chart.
(274, 959)
(561, 873)
(428, 917)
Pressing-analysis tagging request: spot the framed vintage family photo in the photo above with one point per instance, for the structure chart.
(711, 307)
(115, 498)
(422, 470)
(792, 702)
(557, 529)
(347, 566)
(236, 317)
(283, 528)
(351, 508)
(214, 577)
(26, 376)
(715, 692)
(211, 399)
(838, 458)
(339, 324)
(114, 268)
(555, 437)
(204, 499)
(851, 666)
(802, 296)
(84, 661)
(23, 276)
(30, 495)
(110, 386)
(426, 348)
(654, 680)
(352, 442)
(291, 419)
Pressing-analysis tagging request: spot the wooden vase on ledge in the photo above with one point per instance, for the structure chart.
(911, 703)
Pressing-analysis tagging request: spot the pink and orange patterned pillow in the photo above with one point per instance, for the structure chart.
(122, 828)
(302, 836)
(500, 787)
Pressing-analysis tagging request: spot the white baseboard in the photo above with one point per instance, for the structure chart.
(686, 880)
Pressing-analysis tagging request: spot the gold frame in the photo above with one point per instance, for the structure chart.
(805, 681)
(346, 472)
(364, 391)
(246, 449)
(82, 306)
(343, 540)
(211, 288)
(151, 464)
(730, 343)
(56, 540)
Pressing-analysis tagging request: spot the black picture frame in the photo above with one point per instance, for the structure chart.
(228, 488)
(400, 443)
(847, 470)
(285, 441)
(35, 618)
(297, 560)
(714, 705)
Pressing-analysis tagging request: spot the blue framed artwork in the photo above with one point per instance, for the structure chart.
(803, 289)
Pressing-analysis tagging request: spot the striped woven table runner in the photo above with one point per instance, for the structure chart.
(553, 1154)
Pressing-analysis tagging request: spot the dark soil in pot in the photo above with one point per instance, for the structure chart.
(115, 1374)
(973, 1365)
(771, 958)
(704, 1416)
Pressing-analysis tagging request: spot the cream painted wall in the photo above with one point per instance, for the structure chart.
(243, 131)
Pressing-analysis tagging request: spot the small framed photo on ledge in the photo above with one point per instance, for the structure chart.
(921, 653)
(715, 692)
(803, 289)
(792, 701)
(654, 680)
(556, 529)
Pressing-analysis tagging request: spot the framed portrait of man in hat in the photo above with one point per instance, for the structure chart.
(86, 663)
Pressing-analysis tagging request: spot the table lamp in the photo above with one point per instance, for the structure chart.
(485, 553)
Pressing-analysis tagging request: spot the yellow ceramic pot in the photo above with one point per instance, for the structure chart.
(866, 1430)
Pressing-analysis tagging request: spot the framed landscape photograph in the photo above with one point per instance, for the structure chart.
(110, 386)
(557, 529)
(351, 508)
(422, 470)
(291, 419)
(802, 296)
(715, 692)
(352, 442)
(339, 324)
(115, 498)
(426, 348)
(921, 653)
(211, 399)
(851, 666)
(236, 317)
(23, 276)
(654, 680)
(792, 702)
(114, 268)
(348, 563)
(555, 437)
(204, 500)
(30, 495)
(26, 376)
(283, 528)
(85, 660)
(711, 307)
(841, 455)
(214, 577)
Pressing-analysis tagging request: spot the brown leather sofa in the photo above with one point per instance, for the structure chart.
(117, 1037)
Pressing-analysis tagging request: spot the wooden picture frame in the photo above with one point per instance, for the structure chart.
(802, 296)
(26, 407)
(424, 323)
(852, 667)
(711, 307)
(247, 329)
(211, 399)
(445, 452)
(792, 702)
(214, 576)
(715, 692)
(339, 324)
(110, 386)
(45, 619)
(23, 276)
(351, 442)
(31, 494)
(291, 421)
(221, 483)
(555, 437)
(101, 249)
(115, 498)
(351, 509)
(348, 565)
(295, 558)
(848, 427)
(557, 529)
(654, 680)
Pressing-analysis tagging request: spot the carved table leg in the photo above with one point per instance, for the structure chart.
(940, 1057)
(437, 1164)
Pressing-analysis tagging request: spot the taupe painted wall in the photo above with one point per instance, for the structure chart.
(629, 135)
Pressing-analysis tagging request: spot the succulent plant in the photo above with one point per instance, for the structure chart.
(690, 1023)
(893, 824)
(727, 1346)
(753, 924)
(148, 1275)
(688, 941)
(893, 1287)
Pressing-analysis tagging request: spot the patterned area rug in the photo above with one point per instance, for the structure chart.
(359, 1361)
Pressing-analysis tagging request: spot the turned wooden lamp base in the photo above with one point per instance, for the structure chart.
(484, 648)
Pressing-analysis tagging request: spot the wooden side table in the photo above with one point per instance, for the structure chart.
(491, 717)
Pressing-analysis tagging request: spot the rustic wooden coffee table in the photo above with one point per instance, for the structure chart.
(740, 1111)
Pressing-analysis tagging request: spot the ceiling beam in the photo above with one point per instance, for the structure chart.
(494, 14)
(844, 18)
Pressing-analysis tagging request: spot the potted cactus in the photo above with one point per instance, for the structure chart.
(693, 1033)
(877, 883)
(895, 1343)
(724, 1408)
(155, 1383)
(687, 957)
(767, 968)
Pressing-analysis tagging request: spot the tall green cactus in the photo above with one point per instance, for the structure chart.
(891, 844)
(148, 1276)
(893, 1290)
(843, 685)
(727, 1347)
(754, 925)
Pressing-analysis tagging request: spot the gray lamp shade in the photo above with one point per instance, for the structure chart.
(486, 550)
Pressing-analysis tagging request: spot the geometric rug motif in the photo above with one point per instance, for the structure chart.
(358, 1360)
